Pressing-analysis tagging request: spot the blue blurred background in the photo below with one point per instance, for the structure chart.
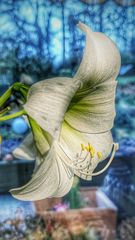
(44, 33)
(39, 39)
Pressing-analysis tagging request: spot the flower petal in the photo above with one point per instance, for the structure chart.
(48, 101)
(101, 58)
(26, 150)
(38, 140)
(95, 111)
(71, 141)
(49, 180)
(92, 108)
(65, 173)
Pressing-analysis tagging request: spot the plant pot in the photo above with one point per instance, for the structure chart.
(101, 215)
(46, 204)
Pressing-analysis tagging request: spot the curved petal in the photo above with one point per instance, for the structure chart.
(92, 108)
(26, 150)
(48, 101)
(36, 143)
(66, 173)
(38, 140)
(71, 141)
(49, 180)
(101, 58)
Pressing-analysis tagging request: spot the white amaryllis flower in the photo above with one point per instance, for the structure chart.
(71, 120)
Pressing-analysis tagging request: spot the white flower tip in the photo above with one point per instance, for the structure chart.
(116, 146)
(84, 27)
(16, 196)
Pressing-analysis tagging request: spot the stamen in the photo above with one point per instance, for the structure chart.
(80, 160)
(90, 146)
(82, 146)
(80, 163)
(115, 148)
(83, 165)
(87, 148)
(99, 154)
(90, 149)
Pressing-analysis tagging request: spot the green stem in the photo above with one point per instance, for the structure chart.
(5, 96)
(22, 88)
(13, 115)
(24, 93)
(5, 110)
(15, 87)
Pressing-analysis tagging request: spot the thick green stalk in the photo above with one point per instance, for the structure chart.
(5, 96)
(22, 88)
(15, 87)
(19, 87)
(24, 93)
(5, 110)
(13, 115)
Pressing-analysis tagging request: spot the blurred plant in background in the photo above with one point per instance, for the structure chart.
(125, 108)
(126, 230)
(34, 228)
(74, 197)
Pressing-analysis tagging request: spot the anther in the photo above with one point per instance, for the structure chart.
(82, 147)
(92, 151)
(86, 148)
(99, 154)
